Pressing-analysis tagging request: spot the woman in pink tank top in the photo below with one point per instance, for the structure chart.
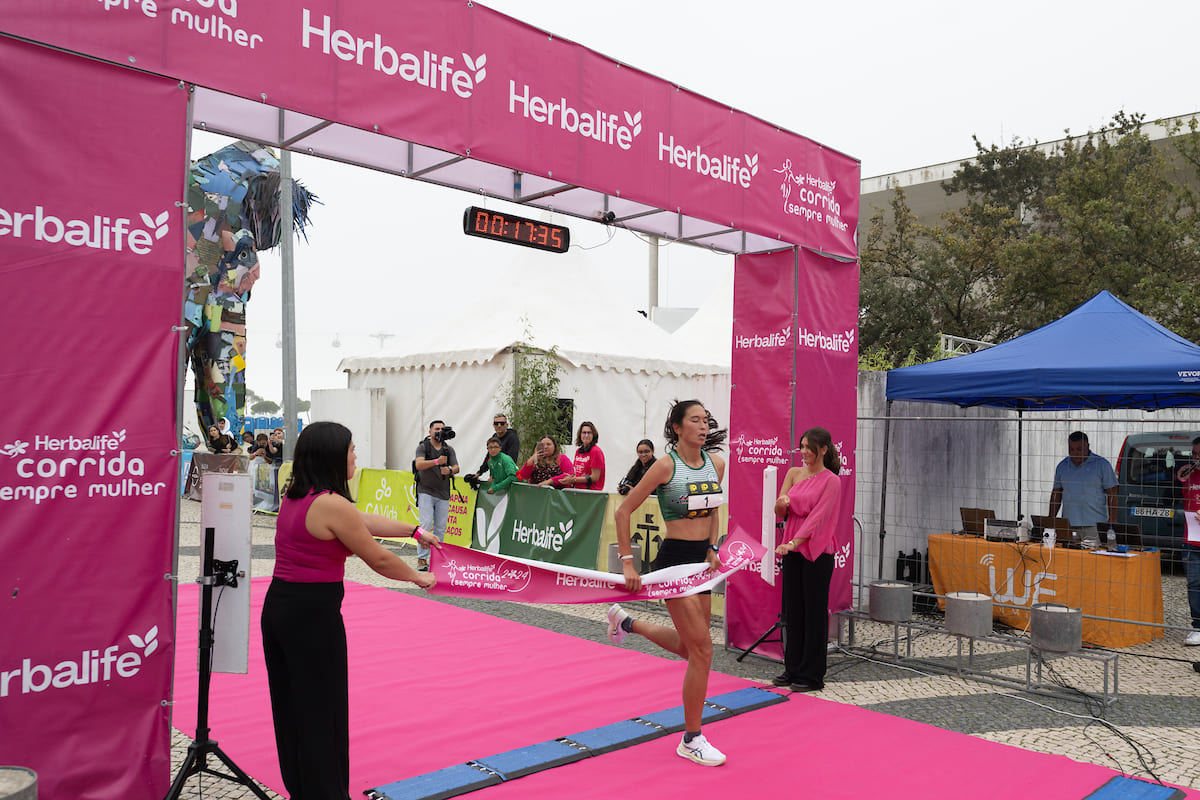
(304, 638)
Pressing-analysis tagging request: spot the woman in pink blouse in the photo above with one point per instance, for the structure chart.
(809, 500)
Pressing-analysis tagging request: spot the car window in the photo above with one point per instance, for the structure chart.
(1155, 465)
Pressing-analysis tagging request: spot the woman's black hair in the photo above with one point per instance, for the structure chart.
(319, 462)
(634, 476)
(818, 438)
(716, 436)
(579, 434)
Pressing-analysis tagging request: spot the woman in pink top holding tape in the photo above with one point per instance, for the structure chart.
(810, 498)
(304, 639)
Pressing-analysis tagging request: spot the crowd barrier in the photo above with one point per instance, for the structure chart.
(560, 526)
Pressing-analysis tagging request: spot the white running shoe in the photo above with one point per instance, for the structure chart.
(700, 751)
(1192, 639)
(617, 615)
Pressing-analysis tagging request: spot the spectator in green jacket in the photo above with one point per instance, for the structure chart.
(501, 467)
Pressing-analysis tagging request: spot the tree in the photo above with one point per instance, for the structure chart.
(532, 397)
(1041, 232)
(267, 407)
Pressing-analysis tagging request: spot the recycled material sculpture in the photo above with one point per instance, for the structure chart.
(233, 212)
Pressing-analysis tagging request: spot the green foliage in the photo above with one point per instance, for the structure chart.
(532, 397)
(270, 407)
(877, 359)
(1041, 232)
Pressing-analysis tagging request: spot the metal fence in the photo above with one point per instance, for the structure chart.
(941, 459)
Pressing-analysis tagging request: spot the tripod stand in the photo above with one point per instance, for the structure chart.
(779, 625)
(196, 761)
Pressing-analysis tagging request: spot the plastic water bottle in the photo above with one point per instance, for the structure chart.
(1110, 540)
(1024, 530)
(1048, 537)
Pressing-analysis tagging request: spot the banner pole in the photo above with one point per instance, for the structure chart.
(770, 482)
(288, 291)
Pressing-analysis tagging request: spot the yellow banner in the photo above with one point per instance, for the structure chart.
(645, 528)
(392, 493)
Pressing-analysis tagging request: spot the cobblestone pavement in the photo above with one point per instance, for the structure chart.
(1152, 729)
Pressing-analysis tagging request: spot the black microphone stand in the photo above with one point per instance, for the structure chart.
(196, 761)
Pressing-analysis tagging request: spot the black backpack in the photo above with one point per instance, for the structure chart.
(428, 457)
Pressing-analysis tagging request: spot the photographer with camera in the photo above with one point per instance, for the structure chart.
(510, 445)
(434, 468)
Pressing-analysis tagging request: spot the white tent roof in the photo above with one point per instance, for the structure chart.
(547, 300)
(709, 332)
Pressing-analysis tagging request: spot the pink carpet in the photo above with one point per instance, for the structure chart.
(432, 685)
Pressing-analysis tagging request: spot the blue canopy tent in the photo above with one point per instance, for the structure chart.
(1103, 355)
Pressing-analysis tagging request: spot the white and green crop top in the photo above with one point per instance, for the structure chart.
(691, 492)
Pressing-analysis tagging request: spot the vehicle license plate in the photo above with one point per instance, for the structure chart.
(1142, 511)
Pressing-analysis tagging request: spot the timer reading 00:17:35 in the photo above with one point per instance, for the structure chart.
(518, 230)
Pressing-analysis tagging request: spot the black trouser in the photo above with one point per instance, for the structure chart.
(304, 645)
(805, 587)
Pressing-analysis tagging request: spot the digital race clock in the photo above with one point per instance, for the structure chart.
(518, 230)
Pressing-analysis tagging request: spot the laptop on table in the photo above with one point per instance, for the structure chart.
(1064, 536)
(1128, 535)
(972, 519)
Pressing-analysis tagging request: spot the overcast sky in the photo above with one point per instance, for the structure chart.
(896, 85)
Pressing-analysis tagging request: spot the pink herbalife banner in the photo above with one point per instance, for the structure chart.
(827, 388)
(463, 572)
(795, 362)
(468, 80)
(93, 160)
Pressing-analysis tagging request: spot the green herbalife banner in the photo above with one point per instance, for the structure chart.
(558, 526)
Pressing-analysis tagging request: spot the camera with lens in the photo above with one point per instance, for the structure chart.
(624, 486)
(472, 481)
(444, 434)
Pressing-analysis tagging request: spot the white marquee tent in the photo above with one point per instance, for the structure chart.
(710, 329)
(621, 370)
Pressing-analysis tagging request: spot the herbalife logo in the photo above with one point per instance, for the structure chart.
(432, 70)
(841, 556)
(779, 339)
(549, 538)
(723, 167)
(99, 232)
(819, 340)
(100, 442)
(91, 667)
(607, 127)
